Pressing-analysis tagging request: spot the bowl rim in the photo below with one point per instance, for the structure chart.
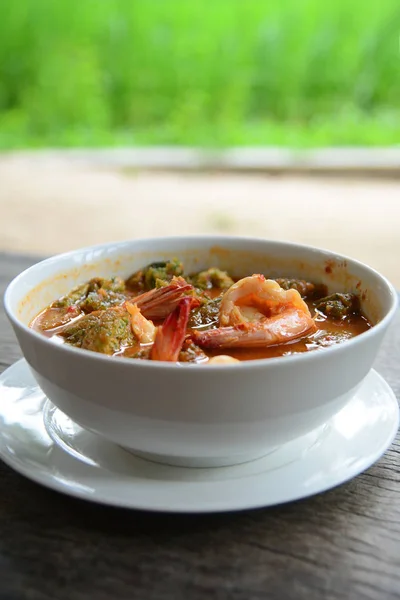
(202, 238)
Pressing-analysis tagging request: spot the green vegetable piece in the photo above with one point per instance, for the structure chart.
(115, 284)
(105, 331)
(206, 315)
(79, 294)
(210, 278)
(101, 300)
(339, 306)
(155, 274)
(305, 288)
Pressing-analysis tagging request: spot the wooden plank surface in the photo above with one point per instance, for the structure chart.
(342, 544)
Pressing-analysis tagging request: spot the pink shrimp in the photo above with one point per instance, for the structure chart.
(160, 302)
(171, 334)
(257, 312)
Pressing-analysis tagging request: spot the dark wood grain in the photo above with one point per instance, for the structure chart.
(342, 544)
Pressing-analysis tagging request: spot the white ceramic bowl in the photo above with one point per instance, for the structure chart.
(199, 415)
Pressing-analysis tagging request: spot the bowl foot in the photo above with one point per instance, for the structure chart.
(199, 463)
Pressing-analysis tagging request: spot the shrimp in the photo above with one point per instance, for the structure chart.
(171, 334)
(158, 303)
(257, 312)
(143, 329)
(222, 359)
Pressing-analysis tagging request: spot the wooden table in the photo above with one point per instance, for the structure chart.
(344, 543)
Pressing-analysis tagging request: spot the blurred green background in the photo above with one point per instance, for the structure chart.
(294, 73)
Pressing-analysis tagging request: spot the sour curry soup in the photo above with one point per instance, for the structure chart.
(162, 313)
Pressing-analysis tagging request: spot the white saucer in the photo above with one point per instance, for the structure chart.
(40, 442)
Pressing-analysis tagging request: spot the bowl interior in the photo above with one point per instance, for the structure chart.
(37, 287)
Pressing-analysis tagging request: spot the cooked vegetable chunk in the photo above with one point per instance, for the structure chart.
(77, 294)
(191, 353)
(155, 274)
(205, 315)
(205, 280)
(96, 294)
(338, 306)
(56, 317)
(305, 288)
(100, 300)
(105, 331)
(115, 284)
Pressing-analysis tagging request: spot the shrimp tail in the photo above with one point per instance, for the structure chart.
(160, 302)
(279, 329)
(171, 335)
